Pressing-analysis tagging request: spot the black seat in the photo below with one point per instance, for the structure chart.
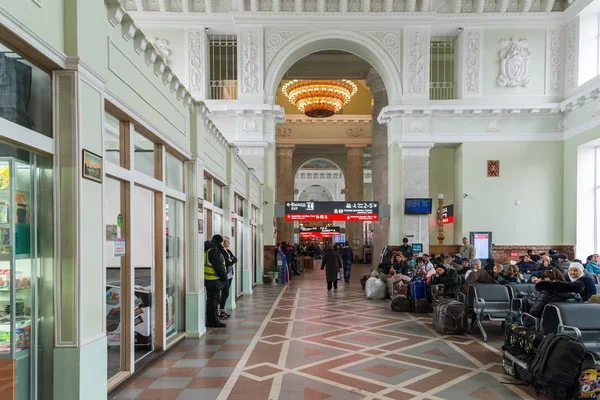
(489, 301)
(517, 303)
(579, 320)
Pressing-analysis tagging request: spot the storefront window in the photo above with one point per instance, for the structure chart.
(174, 178)
(144, 155)
(217, 195)
(175, 295)
(217, 226)
(112, 139)
(25, 93)
(143, 272)
(114, 269)
(26, 270)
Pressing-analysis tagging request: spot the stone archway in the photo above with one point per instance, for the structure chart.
(381, 49)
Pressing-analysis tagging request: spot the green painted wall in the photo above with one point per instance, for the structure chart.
(531, 172)
(441, 180)
(47, 21)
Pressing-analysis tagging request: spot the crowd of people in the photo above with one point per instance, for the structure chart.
(557, 278)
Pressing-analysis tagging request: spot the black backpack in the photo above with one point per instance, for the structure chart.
(556, 366)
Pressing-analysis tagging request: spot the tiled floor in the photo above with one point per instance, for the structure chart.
(301, 342)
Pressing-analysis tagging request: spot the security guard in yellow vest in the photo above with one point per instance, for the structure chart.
(215, 278)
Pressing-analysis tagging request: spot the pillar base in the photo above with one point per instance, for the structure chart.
(83, 371)
(195, 312)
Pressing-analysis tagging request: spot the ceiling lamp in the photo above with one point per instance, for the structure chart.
(319, 99)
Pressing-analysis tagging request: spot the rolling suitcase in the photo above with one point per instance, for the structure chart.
(450, 317)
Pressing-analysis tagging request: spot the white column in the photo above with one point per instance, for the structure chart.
(198, 64)
(415, 184)
(470, 63)
(195, 308)
(416, 62)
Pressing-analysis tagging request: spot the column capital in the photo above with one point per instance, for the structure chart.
(355, 150)
(416, 149)
(285, 150)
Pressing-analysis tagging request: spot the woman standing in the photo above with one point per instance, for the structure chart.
(230, 261)
(333, 262)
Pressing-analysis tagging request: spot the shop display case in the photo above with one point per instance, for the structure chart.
(17, 269)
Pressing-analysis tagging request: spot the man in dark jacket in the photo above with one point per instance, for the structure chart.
(347, 258)
(406, 249)
(555, 292)
(447, 277)
(333, 262)
(215, 278)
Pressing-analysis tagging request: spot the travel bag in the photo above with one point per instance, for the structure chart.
(518, 365)
(401, 304)
(450, 317)
(418, 289)
(522, 339)
(420, 305)
(363, 280)
(588, 384)
(556, 366)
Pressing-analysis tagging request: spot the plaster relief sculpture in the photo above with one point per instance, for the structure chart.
(554, 64)
(310, 5)
(354, 5)
(250, 126)
(416, 63)
(514, 63)
(196, 73)
(416, 126)
(563, 124)
(250, 64)
(161, 46)
(493, 126)
(284, 132)
(571, 57)
(275, 40)
(391, 42)
(198, 5)
(473, 61)
(287, 5)
(332, 5)
(266, 5)
(355, 132)
(399, 5)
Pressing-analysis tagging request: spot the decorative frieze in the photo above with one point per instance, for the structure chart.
(555, 54)
(197, 45)
(416, 62)
(275, 40)
(514, 62)
(572, 55)
(251, 62)
(471, 50)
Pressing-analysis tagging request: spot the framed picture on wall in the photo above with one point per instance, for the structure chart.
(200, 226)
(92, 166)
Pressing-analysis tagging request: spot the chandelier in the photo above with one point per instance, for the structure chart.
(319, 99)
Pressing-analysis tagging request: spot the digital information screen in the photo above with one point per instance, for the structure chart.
(417, 206)
(332, 211)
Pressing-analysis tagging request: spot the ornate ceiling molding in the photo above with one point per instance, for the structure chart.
(334, 120)
(221, 109)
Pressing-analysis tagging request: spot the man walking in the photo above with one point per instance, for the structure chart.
(467, 250)
(230, 261)
(347, 257)
(215, 278)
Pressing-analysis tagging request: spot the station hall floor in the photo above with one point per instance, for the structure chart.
(299, 342)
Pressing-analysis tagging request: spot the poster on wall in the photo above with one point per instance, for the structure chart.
(482, 241)
(119, 247)
(200, 226)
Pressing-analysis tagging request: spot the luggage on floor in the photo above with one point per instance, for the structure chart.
(396, 286)
(418, 289)
(420, 305)
(363, 281)
(450, 317)
(588, 384)
(518, 365)
(309, 263)
(524, 340)
(376, 289)
(556, 366)
(401, 304)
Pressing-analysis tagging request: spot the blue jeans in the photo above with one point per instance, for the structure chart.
(347, 269)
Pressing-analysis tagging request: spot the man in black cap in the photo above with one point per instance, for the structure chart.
(215, 278)
(406, 249)
(563, 262)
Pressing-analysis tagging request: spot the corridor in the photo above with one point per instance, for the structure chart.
(301, 342)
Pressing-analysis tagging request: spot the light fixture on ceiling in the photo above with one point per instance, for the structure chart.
(319, 98)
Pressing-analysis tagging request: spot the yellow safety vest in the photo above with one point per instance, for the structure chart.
(209, 272)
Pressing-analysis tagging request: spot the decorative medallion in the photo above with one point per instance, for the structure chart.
(354, 5)
(514, 62)
(266, 5)
(490, 6)
(310, 5)
(176, 5)
(399, 5)
(493, 168)
(416, 126)
(199, 5)
(355, 132)
(284, 132)
(332, 5)
(287, 5)
(377, 5)
(493, 126)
